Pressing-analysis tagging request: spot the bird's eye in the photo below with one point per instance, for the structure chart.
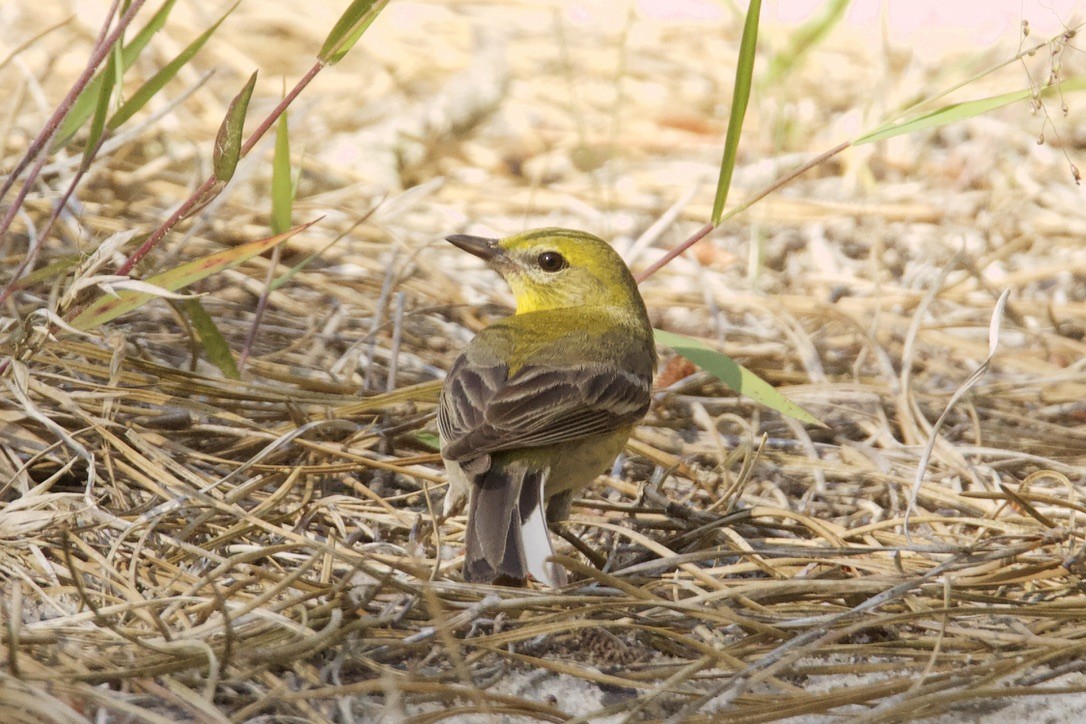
(551, 261)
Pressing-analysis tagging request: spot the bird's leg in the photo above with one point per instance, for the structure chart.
(559, 505)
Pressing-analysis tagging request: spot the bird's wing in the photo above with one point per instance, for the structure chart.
(485, 410)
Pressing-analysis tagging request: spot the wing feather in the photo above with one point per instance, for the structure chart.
(485, 410)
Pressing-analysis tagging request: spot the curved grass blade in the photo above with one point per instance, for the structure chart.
(956, 112)
(282, 185)
(358, 16)
(110, 306)
(427, 439)
(806, 37)
(110, 78)
(211, 339)
(228, 143)
(156, 82)
(286, 276)
(46, 273)
(734, 375)
(85, 102)
(744, 72)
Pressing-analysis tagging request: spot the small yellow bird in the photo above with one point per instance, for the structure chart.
(542, 402)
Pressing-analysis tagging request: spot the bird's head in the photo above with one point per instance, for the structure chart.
(557, 269)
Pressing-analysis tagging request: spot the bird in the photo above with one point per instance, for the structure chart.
(540, 403)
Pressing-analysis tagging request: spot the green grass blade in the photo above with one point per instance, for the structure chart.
(806, 37)
(214, 344)
(427, 439)
(98, 122)
(47, 273)
(956, 112)
(156, 82)
(228, 143)
(286, 276)
(85, 102)
(110, 306)
(354, 21)
(744, 72)
(282, 186)
(734, 375)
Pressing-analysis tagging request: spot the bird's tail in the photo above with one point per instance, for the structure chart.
(507, 536)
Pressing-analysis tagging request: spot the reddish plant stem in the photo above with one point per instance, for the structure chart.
(103, 45)
(31, 254)
(283, 104)
(198, 197)
(261, 306)
(703, 231)
(101, 50)
(790, 176)
(666, 258)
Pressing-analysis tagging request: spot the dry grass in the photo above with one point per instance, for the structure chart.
(179, 545)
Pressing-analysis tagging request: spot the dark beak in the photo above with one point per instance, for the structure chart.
(486, 249)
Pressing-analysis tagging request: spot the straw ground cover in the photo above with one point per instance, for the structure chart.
(180, 544)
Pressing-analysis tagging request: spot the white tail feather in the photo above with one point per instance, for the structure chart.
(536, 540)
